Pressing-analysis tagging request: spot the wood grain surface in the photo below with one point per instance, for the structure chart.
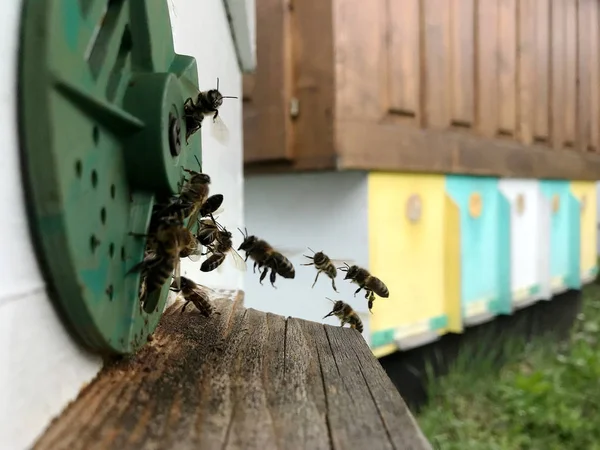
(242, 379)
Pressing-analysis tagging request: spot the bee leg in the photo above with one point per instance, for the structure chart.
(309, 264)
(216, 114)
(272, 278)
(254, 268)
(188, 103)
(367, 294)
(184, 306)
(333, 284)
(263, 275)
(315, 282)
(358, 290)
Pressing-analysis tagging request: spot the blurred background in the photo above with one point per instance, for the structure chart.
(450, 147)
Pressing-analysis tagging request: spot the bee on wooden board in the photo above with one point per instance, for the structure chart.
(365, 281)
(200, 296)
(219, 249)
(207, 102)
(158, 266)
(324, 264)
(346, 314)
(264, 255)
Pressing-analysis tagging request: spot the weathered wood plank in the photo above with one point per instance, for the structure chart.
(242, 379)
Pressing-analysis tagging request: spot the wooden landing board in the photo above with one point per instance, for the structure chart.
(243, 379)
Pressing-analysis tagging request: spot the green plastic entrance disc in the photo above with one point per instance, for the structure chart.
(102, 137)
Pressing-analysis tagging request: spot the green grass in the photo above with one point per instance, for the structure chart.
(546, 397)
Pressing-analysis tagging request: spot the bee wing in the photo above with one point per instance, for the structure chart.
(196, 255)
(217, 212)
(289, 252)
(193, 219)
(189, 86)
(237, 260)
(177, 276)
(342, 261)
(220, 131)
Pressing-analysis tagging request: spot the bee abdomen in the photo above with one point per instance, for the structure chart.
(159, 274)
(330, 270)
(357, 323)
(212, 262)
(282, 265)
(377, 286)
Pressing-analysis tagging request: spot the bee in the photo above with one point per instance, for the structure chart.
(266, 256)
(219, 249)
(197, 294)
(193, 195)
(362, 277)
(159, 265)
(323, 264)
(346, 314)
(207, 102)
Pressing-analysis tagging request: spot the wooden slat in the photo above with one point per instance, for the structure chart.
(487, 67)
(463, 71)
(404, 82)
(437, 63)
(594, 72)
(558, 73)
(403, 148)
(570, 68)
(542, 71)
(243, 379)
(526, 68)
(267, 124)
(361, 60)
(314, 72)
(583, 75)
(507, 67)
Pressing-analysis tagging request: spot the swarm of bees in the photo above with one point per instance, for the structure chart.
(358, 275)
(184, 226)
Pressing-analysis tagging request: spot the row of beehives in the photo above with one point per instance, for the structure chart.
(462, 250)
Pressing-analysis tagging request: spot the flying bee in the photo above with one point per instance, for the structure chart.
(157, 267)
(365, 281)
(346, 314)
(324, 264)
(207, 102)
(219, 249)
(264, 255)
(198, 295)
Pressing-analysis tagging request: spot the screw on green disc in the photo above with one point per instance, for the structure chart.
(101, 109)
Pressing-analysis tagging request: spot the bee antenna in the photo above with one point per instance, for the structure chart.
(198, 161)
(227, 97)
(311, 249)
(332, 301)
(217, 83)
(244, 235)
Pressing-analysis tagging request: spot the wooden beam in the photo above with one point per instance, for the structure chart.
(394, 147)
(243, 379)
